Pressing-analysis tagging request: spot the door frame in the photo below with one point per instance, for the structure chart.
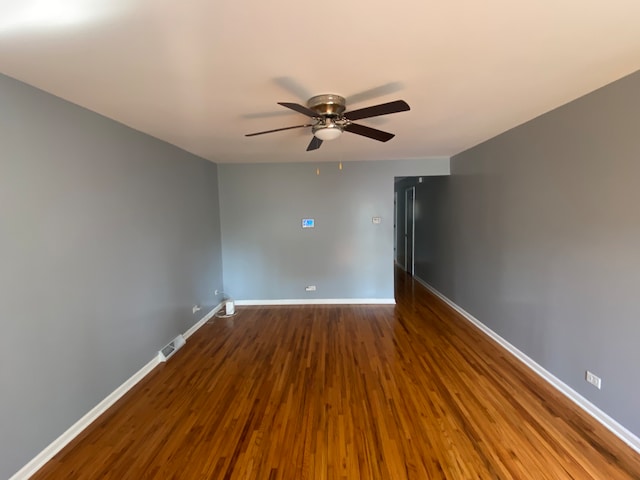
(409, 268)
(395, 228)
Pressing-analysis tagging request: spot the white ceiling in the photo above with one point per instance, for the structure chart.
(202, 73)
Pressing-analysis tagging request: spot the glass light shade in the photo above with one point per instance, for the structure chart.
(330, 132)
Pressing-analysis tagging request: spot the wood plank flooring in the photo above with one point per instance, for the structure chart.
(344, 392)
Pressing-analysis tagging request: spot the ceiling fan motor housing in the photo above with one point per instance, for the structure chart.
(327, 105)
(330, 107)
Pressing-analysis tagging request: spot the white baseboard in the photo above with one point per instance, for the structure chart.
(202, 321)
(72, 432)
(320, 301)
(611, 424)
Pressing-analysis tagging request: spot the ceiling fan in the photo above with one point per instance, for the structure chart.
(330, 119)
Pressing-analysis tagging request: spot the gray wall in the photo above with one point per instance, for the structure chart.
(107, 238)
(268, 256)
(538, 231)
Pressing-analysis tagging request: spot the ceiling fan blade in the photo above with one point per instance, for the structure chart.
(377, 110)
(314, 144)
(368, 95)
(300, 109)
(292, 86)
(276, 130)
(369, 132)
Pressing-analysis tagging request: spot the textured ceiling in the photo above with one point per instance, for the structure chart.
(200, 74)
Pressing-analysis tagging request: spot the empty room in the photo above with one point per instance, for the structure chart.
(227, 254)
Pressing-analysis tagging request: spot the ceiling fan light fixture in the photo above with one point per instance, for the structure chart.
(328, 131)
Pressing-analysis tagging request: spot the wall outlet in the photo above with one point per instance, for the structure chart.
(196, 308)
(593, 379)
(310, 288)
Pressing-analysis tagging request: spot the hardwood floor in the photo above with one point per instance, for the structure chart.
(344, 392)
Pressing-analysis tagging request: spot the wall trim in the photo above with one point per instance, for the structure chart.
(319, 301)
(202, 321)
(611, 424)
(72, 432)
